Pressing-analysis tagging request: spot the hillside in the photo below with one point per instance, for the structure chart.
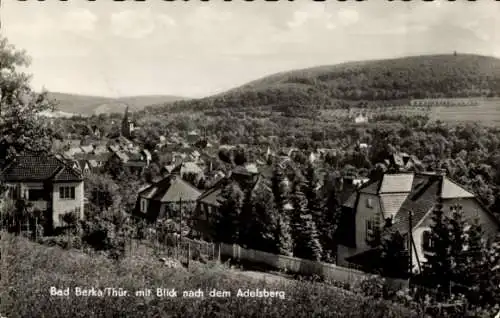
(374, 82)
(88, 105)
(30, 270)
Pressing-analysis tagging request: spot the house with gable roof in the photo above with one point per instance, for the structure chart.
(408, 200)
(212, 199)
(49, 183)
(165, 197)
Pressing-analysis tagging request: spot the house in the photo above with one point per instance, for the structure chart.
(361, 119)
(188, 167)
(192, 137)
(49, 183)
(407, 199)
(211, 200)
(166, 197)
(402, 161)
(94, 160)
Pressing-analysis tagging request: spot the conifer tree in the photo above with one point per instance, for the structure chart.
(304, 233)
(226, 222)
(282, 235)
(313, 199)
(475, 272)
(457, 240)
(277, 188)
(393, 256)
(257, 221)
(438, 266)
(328, 222)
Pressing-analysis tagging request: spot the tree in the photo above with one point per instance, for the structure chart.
(328, 221)
(282, 228)
(474, 270)
(393, 257)
(258, 221)
(312, 197)
(304, 233)
(457, 240)
(101, 192)
(438, 267)
(226, 219)
(21, 128)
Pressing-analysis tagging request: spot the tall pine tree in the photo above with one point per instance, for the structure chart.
(328, 222)
(438, 266)
(457, 240)
(282, 235)
(304, 233)
(227, 217)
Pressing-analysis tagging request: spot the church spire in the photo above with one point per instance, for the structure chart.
(127, 125)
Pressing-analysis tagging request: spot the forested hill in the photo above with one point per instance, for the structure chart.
(427, 76)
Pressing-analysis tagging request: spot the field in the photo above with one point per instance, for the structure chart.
(486, 113)
(29, 270)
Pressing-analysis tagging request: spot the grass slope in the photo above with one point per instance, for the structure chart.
(88, 105)
(29, 270)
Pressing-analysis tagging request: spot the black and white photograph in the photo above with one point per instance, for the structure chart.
(250, 158)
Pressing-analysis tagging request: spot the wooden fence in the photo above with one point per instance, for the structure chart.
(189, 248)
(293, 264)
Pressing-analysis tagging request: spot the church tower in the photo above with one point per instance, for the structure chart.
(127, 125)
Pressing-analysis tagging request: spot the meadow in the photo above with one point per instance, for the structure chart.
(29, 270)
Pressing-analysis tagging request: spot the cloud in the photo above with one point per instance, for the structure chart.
(312, 13)
(137, 24)
(79, 20)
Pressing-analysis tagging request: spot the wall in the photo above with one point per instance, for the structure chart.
(62, 206)
(364, 213)
(293, 264)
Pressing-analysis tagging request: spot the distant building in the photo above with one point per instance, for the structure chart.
(361, 119)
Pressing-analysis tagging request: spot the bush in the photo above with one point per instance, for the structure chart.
(371, 286)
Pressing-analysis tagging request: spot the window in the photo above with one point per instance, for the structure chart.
(372, 231)
(67, 193)
(369, 203)
(144, 205)
(427, 241)
(35, 194)
(370, 228)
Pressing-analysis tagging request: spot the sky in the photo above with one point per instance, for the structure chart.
(194, 49)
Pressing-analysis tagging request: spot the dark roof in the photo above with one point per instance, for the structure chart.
(171, 189)
(39, 168)
(212, 196)
(425, 193)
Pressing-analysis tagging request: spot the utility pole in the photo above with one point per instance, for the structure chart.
(410, 243)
